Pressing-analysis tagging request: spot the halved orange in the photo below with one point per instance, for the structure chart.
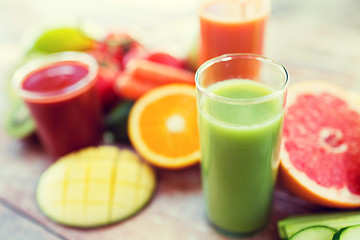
(163, 126)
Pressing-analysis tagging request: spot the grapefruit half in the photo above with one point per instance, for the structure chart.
(320, 154)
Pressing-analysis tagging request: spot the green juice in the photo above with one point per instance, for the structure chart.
(239, 148)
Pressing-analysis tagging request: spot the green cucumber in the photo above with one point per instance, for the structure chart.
(314, 233)
(287, 227)
(348, 233)
(18, 122)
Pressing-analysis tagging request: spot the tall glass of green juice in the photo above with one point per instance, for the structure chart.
(241, 102)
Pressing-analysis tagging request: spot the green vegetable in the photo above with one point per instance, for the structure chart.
(348, 233)
(116, 121)
(287, 227)
(314, 233)
(60, 39)
(18, 122)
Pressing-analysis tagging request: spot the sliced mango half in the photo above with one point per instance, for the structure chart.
(95, 186)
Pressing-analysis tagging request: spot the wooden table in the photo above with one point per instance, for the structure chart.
(314, 40)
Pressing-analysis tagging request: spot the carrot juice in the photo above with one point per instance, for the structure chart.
(232, 26)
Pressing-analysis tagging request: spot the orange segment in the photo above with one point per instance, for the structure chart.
(163, 126)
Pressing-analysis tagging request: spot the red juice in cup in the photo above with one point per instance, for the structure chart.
(60, 92)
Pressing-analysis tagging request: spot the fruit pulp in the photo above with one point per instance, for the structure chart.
(95, 186)
(333, 142)
(239, 147)
(232, 26)
(67, 115)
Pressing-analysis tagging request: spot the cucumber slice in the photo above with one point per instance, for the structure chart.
(18, 122)
(287, 227)
(348, 233)
(95, 186)
(314, 233)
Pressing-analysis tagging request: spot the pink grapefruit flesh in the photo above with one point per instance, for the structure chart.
(320, 155)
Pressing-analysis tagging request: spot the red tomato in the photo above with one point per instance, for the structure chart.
(135, 50)
(112, 54)
(122, 48)
(105, 79)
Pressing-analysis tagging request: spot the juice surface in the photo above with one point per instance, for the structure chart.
(67, 118)
(239, 147)
(232, 26)
(55, 77)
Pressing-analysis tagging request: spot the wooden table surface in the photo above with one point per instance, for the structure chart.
(314, 40)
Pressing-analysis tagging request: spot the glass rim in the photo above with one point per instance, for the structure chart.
(204, 13)
(239, 101)
(68, 56)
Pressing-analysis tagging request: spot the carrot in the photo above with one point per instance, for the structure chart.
(129, 87)
(142, 75)
(148, 71)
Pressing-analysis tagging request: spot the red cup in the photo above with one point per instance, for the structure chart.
(59, 90)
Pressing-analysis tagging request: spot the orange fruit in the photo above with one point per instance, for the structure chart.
(320, 155)
(163, 126)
